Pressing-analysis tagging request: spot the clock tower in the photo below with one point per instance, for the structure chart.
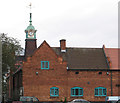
(30, 41)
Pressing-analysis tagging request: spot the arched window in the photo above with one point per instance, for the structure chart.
(76, 91)
(100, 91)
(54, 91)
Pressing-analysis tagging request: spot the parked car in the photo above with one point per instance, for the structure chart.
(27, 99)
(118, 101)
(112, 99)
(80, 101)
(9, 100)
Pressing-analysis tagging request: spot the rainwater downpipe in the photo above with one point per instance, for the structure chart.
(111, 84)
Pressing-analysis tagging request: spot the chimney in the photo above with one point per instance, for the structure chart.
(63, 45)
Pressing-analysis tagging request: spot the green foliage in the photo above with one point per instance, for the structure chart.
(10, 49)
(65, 101)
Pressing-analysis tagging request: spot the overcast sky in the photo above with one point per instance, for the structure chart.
(83, 23)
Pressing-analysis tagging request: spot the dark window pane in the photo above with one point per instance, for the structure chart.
(52, 91)
(96, 91)
(80, 92)
(76, 91)
(46, 64)
(43, 65)
(56, 91)
(104, 91)
(72, 92)
(100, 91)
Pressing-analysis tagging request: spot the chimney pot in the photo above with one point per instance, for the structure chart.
(63, 45)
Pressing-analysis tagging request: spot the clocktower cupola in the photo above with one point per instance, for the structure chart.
(30, 41)
(30, 31)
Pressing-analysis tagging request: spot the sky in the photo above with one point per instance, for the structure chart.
(83, 23)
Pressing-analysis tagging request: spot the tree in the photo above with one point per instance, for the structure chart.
(10, 49)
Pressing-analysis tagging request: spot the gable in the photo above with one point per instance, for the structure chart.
(44, 50)
(44, 53)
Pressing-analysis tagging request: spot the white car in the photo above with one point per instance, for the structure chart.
(80, 101)
(112, 98)
(28, 98)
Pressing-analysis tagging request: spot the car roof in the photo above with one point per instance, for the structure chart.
(79, 100)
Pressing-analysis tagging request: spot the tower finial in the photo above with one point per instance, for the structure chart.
(30, 7)
(30, 14)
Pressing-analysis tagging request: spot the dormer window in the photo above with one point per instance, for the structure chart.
(44, 64)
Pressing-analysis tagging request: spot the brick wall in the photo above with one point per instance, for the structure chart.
(115, 82)
(39, 85)
(17, 83)
(88, 80)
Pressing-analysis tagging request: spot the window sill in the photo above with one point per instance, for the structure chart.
(54, 96)
(45, 68)
(100, 96)
(76, 96)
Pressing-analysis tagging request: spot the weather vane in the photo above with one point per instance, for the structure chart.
(30, 7)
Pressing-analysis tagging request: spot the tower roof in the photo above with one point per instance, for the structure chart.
(30, 27)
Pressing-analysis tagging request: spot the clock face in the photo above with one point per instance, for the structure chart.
(31, 34)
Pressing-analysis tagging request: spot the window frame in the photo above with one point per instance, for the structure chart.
(98, 88)
(44, 65)
(54, 95)
(74, 90)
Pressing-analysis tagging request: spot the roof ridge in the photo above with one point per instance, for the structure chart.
(78, 48)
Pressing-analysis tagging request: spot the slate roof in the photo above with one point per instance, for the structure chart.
(113, 54)
(83, 58)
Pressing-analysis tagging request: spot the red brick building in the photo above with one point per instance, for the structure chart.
(56, 73)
